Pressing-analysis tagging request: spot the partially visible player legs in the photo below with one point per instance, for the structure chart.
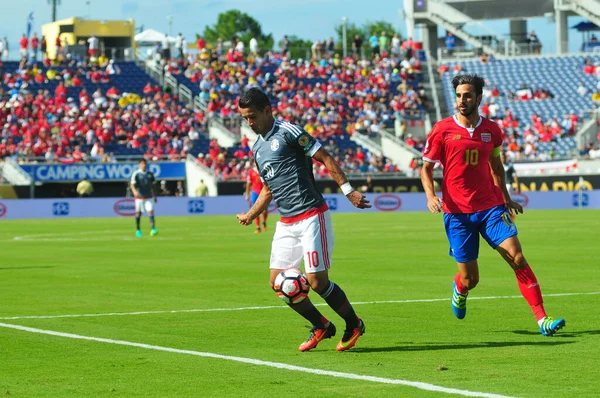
(138, 204)
(510, 249)
(138, 231)
(321, 327)
(264, 219)
(149, 205)
(317, 243)
(335, 297)
(153, 231)
(462, 231)
(257, 222)
(465, 280)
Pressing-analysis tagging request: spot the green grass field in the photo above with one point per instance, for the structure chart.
(97, 266)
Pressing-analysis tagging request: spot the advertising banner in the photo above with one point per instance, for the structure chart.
(101, 171)
(231, 205)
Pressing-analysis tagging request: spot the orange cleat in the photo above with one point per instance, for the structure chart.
(316, 336)
(257, 231)
(265, 227)
(351, 336)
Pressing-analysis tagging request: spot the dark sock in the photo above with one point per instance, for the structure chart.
(137, 221)
(337, 300)
(152, 221)
(307, 310)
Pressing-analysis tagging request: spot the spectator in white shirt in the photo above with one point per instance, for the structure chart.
(179, 45)
(93, 46)
(254, 46)
(582, 90)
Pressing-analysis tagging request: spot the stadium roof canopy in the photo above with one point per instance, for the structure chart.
(505, 9)
(150, 37)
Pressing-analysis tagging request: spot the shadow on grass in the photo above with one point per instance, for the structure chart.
(32, 267)
(561, 333)
(439, 347)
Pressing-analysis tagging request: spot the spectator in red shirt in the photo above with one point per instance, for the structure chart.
(35, 44)
(44, 48)
(24, 44)
(61, 90)
(200, 43)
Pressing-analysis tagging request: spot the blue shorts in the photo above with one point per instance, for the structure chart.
(253, 197)
(495, 225)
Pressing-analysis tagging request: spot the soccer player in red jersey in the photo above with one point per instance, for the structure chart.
(253, 187)
(475, 199)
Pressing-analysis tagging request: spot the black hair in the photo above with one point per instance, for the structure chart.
(474, 80)
(143, 160)
(254, 97)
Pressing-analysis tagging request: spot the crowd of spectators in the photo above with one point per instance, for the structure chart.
(58, 126)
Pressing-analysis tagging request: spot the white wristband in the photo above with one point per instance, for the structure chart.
(346, 188)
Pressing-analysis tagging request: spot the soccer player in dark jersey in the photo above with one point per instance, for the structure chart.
(145, 193)
(254, 185)
(512, 181)
(283, 153)
(475, 199)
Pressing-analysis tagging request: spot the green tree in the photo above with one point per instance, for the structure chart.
(351, 30)
(365, 32)
(241, 25)
(379, 26)
(299, 48)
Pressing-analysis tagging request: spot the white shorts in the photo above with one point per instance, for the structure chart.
(310, 239)
(144, 204)
(510, 189)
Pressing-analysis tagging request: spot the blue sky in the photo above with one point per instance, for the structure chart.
(309, 19)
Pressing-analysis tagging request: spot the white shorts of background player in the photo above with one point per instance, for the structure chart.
(144, 204)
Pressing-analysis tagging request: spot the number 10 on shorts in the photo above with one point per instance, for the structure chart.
(313, 259)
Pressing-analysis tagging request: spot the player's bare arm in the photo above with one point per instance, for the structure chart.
(500, 180)
(434, 203)
(263, 201)
(154, 193)
(133, 190)
(356, 198)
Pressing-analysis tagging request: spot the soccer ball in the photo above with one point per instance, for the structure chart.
(291, 286)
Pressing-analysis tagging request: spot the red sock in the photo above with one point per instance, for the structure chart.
(462, 289)
(265, 217)
(530, 289)
(257, 221)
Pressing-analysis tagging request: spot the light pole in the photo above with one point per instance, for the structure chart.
(170, 21)
(89, 13)
(344, 41)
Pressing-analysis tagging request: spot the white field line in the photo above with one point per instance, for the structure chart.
(268, 307)
(258, 362)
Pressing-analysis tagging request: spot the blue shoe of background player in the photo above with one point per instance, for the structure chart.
(459, 303)
(138, 233)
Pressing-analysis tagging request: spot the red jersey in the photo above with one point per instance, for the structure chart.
(467, 185)
(254, 179)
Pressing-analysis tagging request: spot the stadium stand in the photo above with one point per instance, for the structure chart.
(536, 100)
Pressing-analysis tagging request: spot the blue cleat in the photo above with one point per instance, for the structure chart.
(138, 233)
(154, 232)
(550, 325)
(459, 303)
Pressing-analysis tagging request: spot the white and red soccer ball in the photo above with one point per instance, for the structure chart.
(291, 286)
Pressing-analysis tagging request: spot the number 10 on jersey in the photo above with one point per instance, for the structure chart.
(472, 157)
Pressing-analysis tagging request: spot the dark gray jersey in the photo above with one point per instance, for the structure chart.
(143, 182)
(284, 160)
(510, 172)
